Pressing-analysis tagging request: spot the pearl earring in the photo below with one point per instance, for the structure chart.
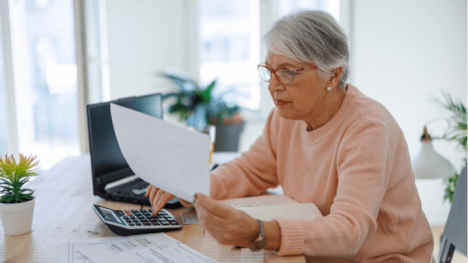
(329, 88)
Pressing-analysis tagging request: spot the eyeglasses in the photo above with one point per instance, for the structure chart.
(283, 75)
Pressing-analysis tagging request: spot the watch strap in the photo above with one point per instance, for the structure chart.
(260, 243)
(262, 232)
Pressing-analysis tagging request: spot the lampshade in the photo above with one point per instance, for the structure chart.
(428, 164)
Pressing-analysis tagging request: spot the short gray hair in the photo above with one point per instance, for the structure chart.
(312, 37)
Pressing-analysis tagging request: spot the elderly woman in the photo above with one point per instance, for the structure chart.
(325, 143)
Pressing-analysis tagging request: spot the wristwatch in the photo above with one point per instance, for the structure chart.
(260, 243)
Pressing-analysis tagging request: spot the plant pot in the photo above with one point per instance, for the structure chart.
(227, 137)
(17, 218)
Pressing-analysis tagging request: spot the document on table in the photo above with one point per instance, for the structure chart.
(165, 155)
(152, 248)
(68, 252)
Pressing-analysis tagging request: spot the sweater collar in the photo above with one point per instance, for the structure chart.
(334, 123)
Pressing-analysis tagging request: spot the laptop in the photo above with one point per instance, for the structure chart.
(112, 177)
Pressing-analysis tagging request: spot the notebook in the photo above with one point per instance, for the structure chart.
(266, 207)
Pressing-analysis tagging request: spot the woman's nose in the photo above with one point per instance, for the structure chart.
(275, 85)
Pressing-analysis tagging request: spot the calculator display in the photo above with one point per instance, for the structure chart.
(109, 216)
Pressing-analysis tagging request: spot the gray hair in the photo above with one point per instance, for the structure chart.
(312, 37)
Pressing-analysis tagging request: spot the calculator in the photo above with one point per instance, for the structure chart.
(134, 222)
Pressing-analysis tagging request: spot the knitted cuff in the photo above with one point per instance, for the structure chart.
(292, 237)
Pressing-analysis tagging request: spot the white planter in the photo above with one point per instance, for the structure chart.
(17, 218)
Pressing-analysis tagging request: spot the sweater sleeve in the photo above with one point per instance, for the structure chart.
(252, 173)
(363, 172)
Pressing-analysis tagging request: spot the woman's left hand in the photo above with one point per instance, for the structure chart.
(227, 225)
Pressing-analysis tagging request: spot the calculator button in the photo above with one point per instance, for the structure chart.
(134, 211)
(132, 217)
(146, 223)
(155, 223)
(125, 217)
(165, 223)
(150, 210)
(153, 220)
(131, 224)
(135, 220)
(138, 223)
(159, 217)
(143, 220)
(173, 222)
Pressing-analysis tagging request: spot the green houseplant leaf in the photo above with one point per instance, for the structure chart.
(196, 105)
(457, 131)
(14, 175)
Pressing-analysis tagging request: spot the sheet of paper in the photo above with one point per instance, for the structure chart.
(291, 211)
(165, 155)
(68, 251)
(263, 200)
(148, 248)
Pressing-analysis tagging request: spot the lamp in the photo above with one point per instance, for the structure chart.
(427, 163)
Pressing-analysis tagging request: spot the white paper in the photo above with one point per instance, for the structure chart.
(148, 248)
(291, 211)
(263, 200)
(68, 251)
(165, 155)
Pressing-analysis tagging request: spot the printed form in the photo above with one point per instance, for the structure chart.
(153, 248)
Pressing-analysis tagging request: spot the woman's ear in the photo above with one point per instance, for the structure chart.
(335, 78)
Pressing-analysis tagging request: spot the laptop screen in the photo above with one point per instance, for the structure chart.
(107, 162)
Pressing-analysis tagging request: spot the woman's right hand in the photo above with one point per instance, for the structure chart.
(158, 199)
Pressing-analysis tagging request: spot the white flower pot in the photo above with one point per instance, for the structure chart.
(17, 218)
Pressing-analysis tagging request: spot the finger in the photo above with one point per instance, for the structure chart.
(148, 190)
(213, 206)
(153, 193)
(185, 203)
(162, 202)
(156, 198)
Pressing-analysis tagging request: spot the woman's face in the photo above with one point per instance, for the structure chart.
(303, 99)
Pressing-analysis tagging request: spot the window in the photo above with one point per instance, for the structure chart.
(3, 107)
(330, 6)
(229, 34)
(229, 37)
(51, 104)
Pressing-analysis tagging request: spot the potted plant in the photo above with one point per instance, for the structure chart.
(198, 108)
(457, 131)
(16, 203)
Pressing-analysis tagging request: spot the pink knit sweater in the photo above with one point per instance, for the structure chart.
(356, 169)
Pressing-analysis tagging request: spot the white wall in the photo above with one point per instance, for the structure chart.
(404, 54)
(146, 37)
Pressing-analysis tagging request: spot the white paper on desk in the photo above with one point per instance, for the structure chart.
(68, 252)
(148, 248)
(165, 155)
(292, 211)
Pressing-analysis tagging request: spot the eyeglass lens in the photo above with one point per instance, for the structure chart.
(265, 74)
(285, 76)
